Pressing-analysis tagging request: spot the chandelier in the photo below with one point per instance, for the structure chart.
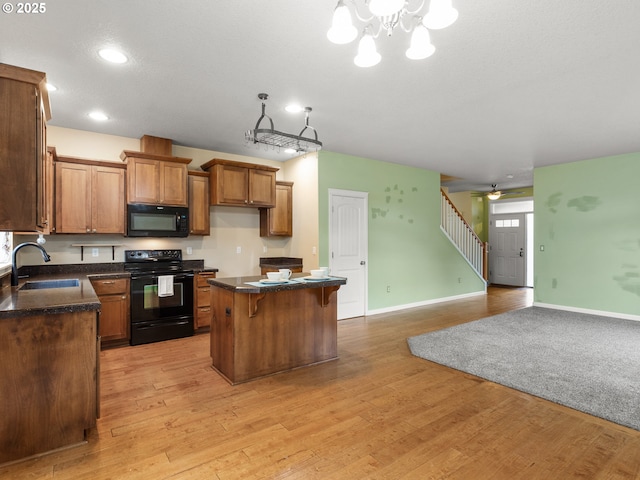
(385, 16)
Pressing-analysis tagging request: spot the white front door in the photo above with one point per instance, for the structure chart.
(348, 249)
(507, 249)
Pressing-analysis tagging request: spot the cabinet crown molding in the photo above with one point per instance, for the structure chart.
(152, 156)
(233, 163)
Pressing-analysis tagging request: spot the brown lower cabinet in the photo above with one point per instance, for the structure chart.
(202, 300)
(115, 324)
(49, 382)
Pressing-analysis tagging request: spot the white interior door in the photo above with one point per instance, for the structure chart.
(348, 249)
(507, 249)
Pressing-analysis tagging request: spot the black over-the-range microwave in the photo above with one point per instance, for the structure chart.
(157, 221)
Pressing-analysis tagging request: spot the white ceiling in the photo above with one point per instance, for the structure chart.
(512, 85)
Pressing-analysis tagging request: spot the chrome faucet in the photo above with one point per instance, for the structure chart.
(14, 267)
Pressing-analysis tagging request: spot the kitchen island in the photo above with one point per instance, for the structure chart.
(259, 329)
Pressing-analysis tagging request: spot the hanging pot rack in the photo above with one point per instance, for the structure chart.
(276, 139)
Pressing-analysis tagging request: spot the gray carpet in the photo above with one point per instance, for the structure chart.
(586, 362)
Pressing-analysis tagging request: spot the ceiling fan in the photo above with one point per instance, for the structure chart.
(495, 194)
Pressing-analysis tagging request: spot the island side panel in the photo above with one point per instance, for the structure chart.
(290, 329)
(48, 378)
(221, 331)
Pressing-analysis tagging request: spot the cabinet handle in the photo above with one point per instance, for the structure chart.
(88, 230)
(108, 282)
(94, 230)
(124, 297)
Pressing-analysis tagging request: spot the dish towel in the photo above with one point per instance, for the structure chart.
(165, 286)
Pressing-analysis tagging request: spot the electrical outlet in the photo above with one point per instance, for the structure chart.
(95, 252)
(388, 288)
(238, 249)
(189, 250)
(264, 249)
(313, 251)
(459, 279)
(542, 248)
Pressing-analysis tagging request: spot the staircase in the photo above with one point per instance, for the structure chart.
(462, 236)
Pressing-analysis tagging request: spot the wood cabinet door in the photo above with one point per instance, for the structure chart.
(262, 188)
(173, 184)
(231, 185)
(278, 221)
(73, 198)
(46, 189)
(114, 317)
(143, 180)
(44, 174)
(199, 223)
(108, 200)
(18, 108)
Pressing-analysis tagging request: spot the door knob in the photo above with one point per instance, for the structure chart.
(362, 262)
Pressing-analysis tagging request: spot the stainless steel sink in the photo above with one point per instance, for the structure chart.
(62, 283)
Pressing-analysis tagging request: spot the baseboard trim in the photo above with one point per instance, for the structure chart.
(406, 306)
(589, 311)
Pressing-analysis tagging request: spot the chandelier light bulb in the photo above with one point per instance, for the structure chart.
(421, 46)
(342, 30)
(385, 8)
(441, 14)
(367, 56)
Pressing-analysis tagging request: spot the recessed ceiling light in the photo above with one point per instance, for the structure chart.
(98, 116)
(113, 56)
(289, 150)
(294, 108)
(51, 88)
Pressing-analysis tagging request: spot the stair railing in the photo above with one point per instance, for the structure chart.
(462, 236)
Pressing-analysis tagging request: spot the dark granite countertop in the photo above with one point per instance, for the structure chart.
(15, 302)
(240, 285)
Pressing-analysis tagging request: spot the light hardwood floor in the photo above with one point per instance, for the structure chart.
(377, 412)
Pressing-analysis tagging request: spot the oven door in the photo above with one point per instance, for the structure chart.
(147, 305)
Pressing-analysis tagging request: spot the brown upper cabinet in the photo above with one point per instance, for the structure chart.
(199, 223)
(278, 221)
(241, 184)
(24, 111)
(156, 179)
(90, 196)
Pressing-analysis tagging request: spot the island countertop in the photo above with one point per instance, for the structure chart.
(249, 284)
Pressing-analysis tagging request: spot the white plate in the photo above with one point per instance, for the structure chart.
(315, 279)
(267, 280)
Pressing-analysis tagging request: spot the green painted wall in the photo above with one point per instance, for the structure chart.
(407, 249)
(587, 216)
